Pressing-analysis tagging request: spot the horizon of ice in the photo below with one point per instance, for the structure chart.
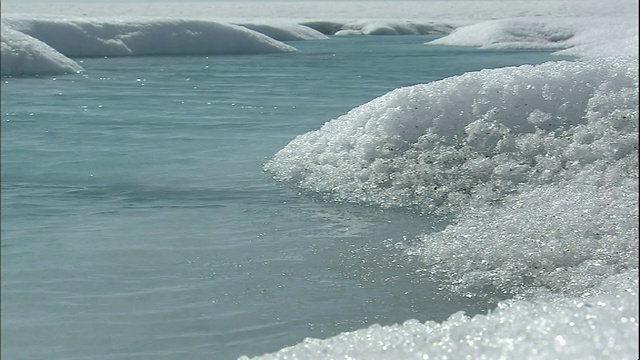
(98, 37)
(381, 27)
(467, 12)
(130, 36)
(80, 37)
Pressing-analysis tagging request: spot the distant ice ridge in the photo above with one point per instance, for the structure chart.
(584, 37)
(123, 37)
(67, 38)
(145, 36)
(97, 37)
(25, 55)
(284, 31)
(381, 27)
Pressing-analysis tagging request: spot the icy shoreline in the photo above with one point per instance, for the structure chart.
(45, 45)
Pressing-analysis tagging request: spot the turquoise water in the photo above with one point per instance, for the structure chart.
(137, 221)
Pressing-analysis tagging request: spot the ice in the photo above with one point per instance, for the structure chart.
(284, 31)
(100, 29)
(556, 239)
(381, 27)
(129, 36)
(84, 37)
(145, 36)
(24, 55)
(584, 37)
(472, 138)
(522, 33)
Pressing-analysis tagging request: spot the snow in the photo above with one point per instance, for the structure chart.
(380, 27)
(24, 55)
(585, 37)
(285, 31)
(82, 37)
(448, 142)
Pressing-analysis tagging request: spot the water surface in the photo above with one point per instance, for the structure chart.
(137, 221)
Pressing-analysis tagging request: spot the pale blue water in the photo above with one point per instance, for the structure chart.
(137, 222)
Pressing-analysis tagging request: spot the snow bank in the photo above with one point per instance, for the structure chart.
(98, 37)
(538, 165)
(476, 136)
(380, 27)
(585, 37)
(43, 45)
(285, 31)
(145, 36)
(520, 33)
(24, 55)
